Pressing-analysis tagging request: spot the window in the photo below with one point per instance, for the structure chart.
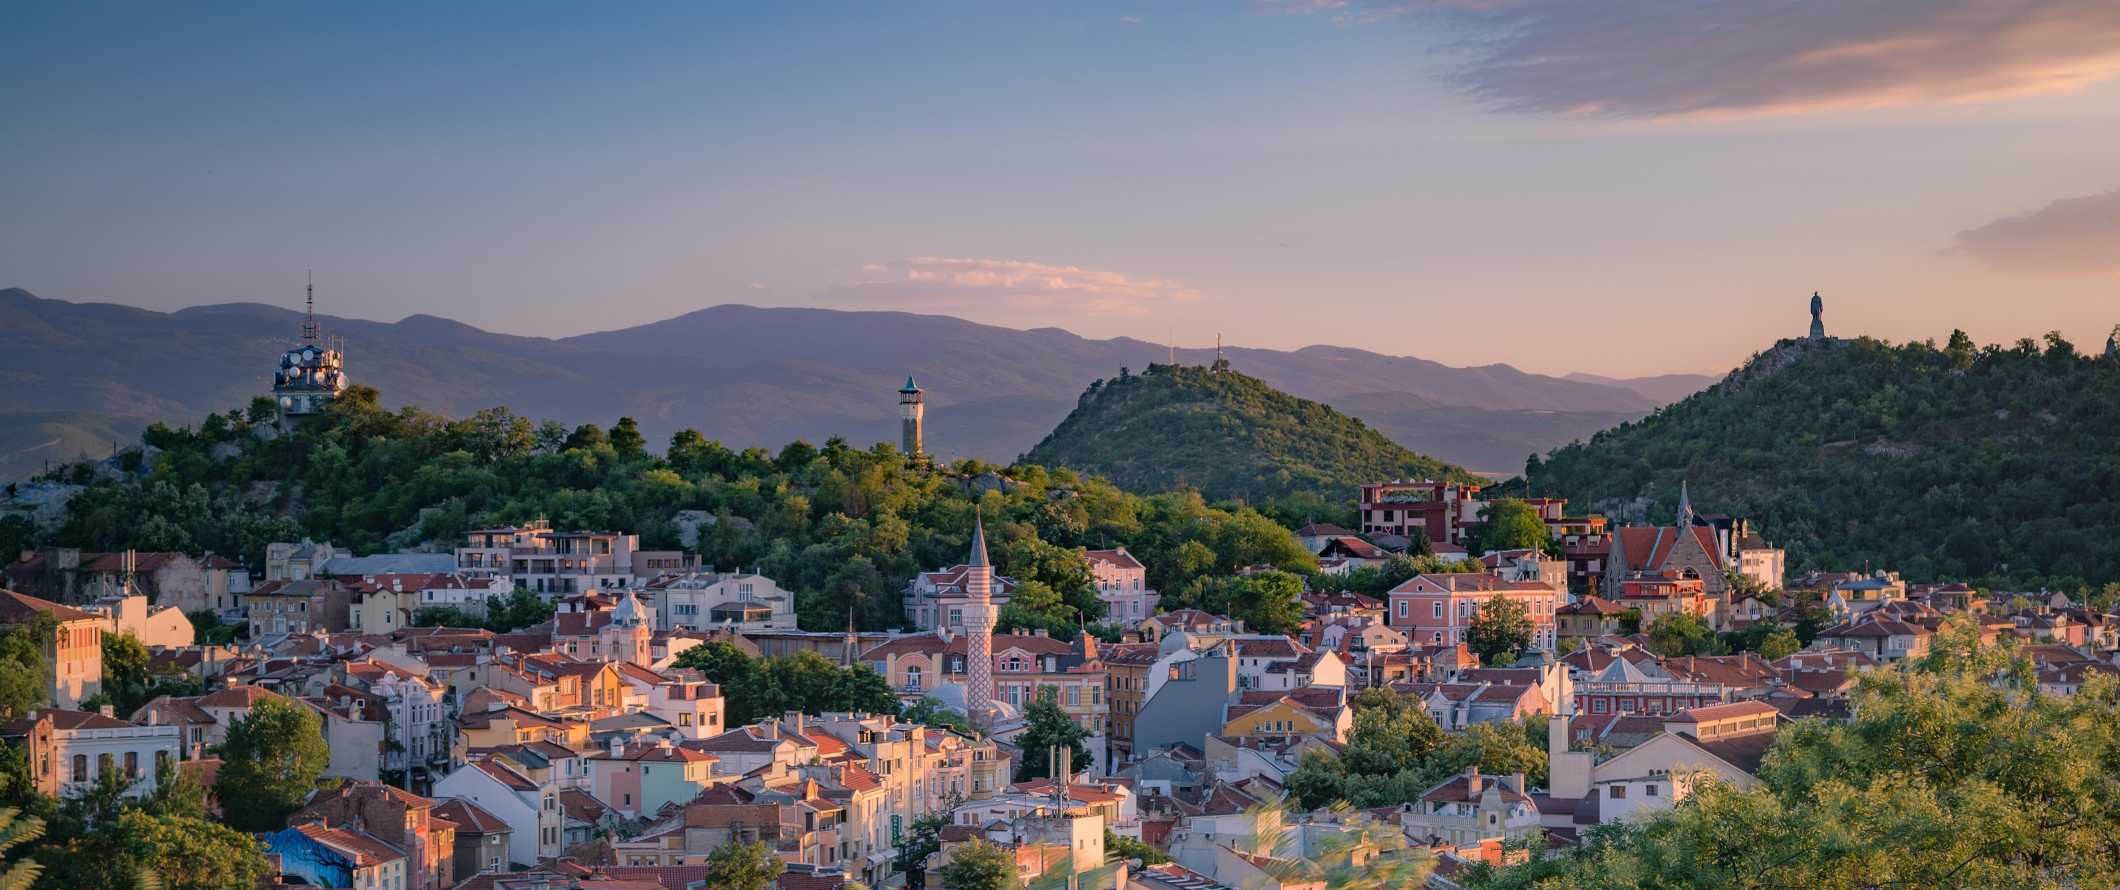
(1649, 790)
(1404, 608)
(1436, 610)
(132, 764)
(80, 767)
(1618, 792)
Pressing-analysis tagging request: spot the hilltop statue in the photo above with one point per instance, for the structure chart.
(1818, 321)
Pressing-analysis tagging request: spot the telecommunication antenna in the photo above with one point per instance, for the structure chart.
(309, 312)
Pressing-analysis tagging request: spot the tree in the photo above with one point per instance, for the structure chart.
(930, 711)
(1267, 602)
(978, 865)
(1510, 524)
(1683, 634)
(1780, 644)
(179, 852)
(1117, 847)
(921, 840)
(1500, 630)
(25, 677)
(741, 866)
(627, 440)
(1955, 772)
(1049, 726)
(17, 829)
(271, 761)
(124, 672)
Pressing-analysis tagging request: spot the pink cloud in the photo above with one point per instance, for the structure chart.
(955, 284)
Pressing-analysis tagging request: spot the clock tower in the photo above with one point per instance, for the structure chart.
(311, 373)
(912, 412)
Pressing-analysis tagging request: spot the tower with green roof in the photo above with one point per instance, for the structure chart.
(912, 410)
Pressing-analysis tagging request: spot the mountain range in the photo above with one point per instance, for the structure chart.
(76, 377)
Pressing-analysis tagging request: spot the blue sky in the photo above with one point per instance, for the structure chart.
(1429, 177)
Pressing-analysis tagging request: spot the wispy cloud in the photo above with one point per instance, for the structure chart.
(963, 284)
(2072, 236)
(1130, 19)
(1746, 58)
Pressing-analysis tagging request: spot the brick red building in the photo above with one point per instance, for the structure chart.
(1439, 510)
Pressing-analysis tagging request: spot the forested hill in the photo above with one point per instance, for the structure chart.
(1954, 463)
(843, 527)
(1228, 435)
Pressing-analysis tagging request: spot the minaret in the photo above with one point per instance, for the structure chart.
(979, 619)
(912, 409)
(1818, 321)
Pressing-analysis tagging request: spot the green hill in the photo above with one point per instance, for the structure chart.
(1228, 435)
(1997, 464)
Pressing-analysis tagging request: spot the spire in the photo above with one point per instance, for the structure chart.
(909, 386)
(1685, 506)
(978, 557)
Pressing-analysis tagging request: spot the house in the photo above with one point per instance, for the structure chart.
(1193, 621)
(1024, 665)
(481, 838)
(1314, 535)
(130, 615)
(935, 600)
(317, 855)
(1439, 510)
(1651, 551)
(542, 559)
(1323, 712)
(1469, 808)
(279, 608)
(1588, 618)
(75, 655)
(1122, 585)
(1884, 638)
(530, 808)
(407, 822)
(739, 601)
(1458, 705)
(1661, 594)
(1185, 697)
(1717, 743)
(1438, 608)
(69, 752)
(640, 779)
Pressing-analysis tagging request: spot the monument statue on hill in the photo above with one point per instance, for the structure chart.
(1818, 321)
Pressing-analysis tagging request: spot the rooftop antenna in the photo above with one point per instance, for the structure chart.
(309, 319)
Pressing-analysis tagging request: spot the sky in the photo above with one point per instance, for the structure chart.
(1625, 187)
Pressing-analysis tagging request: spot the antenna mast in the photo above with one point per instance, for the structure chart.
(309, 314)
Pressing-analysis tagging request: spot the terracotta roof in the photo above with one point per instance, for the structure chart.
(16, 608)
(1118, 558)
(504, 774)
(931, 643)
(365, 849)
(1591, 605)
(471, 818)
(1724, 711)
(1457, 789)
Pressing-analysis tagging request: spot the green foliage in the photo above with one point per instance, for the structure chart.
(930, 711)
(1955, 772)
(1500, 631)
(1996, 467)
(978, 865)
(1395, 751)
(518, 610)
(738, 866)
(1509, 524)
(16, 829)
(177, 852)
(25, 677)
(1684, 634)
(922, 839)
(208, 629)
(1116, 847)
(1228, 435)
(271, 760)
(1378, 580)
(126, 682)
(1267, 602)
(844, 528)
(753, 688)
(1780, 644)
(1048, 726)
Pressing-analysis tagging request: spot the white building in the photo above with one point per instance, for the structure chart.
(743, 601)
(531, 808)
(79, 748)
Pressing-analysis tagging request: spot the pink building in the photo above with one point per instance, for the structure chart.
(1437, 609)
(1122, 583)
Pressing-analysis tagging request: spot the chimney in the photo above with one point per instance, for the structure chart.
(794, 720)
(618, 746)
(1473, 784)
(769, 728)
(106, 711)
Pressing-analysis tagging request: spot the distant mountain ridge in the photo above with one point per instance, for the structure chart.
(1229, 435)
(745, 375)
